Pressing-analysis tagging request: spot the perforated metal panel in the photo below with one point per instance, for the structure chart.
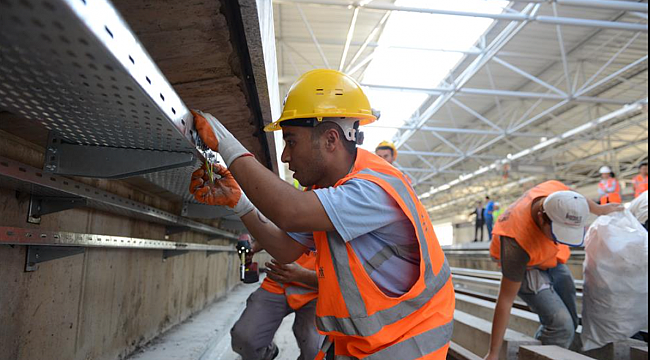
(76, 67)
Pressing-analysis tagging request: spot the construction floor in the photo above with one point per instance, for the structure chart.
(205, 336)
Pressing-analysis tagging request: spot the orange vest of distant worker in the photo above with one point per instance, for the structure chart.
(613, 197)
(298, 295)
(640, 185)
(517, 223)
(359, 319)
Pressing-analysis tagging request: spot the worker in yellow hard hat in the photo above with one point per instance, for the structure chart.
(387, 151)
(384, 284)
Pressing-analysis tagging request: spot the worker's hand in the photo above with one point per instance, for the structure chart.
(222, 190)
(490, 356)
(217, 137)
(285, 273)
(609, 208)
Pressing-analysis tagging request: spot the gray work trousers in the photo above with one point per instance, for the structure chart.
(555, 305)
(252, 335)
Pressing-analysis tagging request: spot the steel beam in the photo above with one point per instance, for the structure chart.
(597, 4)
(463, 131)
(500, 93)
(348, 39)
(443, 154)
(367, 41)
(313, 36)
(521, 17)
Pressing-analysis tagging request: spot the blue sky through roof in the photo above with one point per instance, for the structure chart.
(418, 68)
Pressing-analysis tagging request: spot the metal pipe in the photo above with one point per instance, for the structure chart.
(508, 17)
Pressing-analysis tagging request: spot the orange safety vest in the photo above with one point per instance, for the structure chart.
(298, 295)
(640, 185)
(358, 318)
(613, 197)
(517, 223)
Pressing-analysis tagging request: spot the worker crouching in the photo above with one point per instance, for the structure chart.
(531, 243)
(385, 289)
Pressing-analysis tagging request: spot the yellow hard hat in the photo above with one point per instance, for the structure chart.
(389, 145)
(325, 94)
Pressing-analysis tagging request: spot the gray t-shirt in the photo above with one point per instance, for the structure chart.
(514, 259)
(369, 219)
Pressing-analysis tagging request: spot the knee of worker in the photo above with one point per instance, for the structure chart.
(242, 334)
(562, 329)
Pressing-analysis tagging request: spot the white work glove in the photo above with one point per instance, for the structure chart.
(217, 137)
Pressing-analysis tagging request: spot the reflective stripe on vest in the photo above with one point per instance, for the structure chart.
(410, 349)
(360, 323)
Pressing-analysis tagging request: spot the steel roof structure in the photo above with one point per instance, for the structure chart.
(553, 90)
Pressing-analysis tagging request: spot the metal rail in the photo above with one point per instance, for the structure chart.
(34, 237)
(17, 176)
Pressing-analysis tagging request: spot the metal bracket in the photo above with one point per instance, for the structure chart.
(43, 205)
(38, 254)
(171, 230)
(202, 211)
(64, 158)
(171, 253)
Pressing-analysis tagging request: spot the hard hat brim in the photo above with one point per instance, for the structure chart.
(364, 119)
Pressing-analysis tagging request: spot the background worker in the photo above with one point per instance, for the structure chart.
(387, 151)
(479, 221)
(609, 188)
(383, 279)
(488, 216)
(287, 289)
(498, 210)
(641, 180)
(531, 242)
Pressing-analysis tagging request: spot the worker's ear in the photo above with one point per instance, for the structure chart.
(332, 139)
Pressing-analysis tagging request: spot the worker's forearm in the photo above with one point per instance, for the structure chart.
(505, 300)
(273, 239)
(272, 196)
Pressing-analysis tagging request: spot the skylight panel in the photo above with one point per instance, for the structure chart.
(393, 65)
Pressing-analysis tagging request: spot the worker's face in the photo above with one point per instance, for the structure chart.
(643, 170)
(606, 176)
(303, 155)
(385, 154)
(546, 223)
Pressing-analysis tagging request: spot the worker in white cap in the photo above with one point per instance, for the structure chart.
(531, 243)
(609, 188)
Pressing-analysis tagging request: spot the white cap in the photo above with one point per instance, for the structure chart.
(605, 170)
(568, 212)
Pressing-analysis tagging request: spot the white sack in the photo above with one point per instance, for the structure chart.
(615, 303)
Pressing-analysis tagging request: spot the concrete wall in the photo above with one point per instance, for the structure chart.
(104, 303)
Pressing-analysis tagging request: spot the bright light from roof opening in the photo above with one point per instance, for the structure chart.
(420, 68)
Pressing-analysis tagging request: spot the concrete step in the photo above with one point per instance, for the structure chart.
(473, 334)
(547, 352)
(522, 321)
(622, 350)
(639, 352)
(457, 352)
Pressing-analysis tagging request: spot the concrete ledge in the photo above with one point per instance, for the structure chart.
(548, 353)
(473, 334)
(639, 352)
(457, 352)
(521, 321)
(617, 351)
